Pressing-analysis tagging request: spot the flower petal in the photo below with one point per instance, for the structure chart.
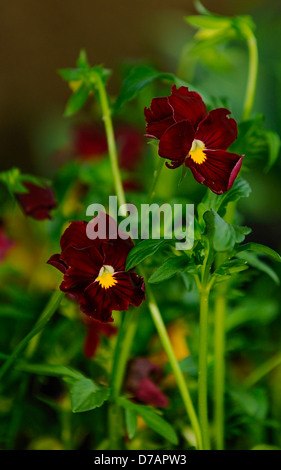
(187, 105)
(116, 252)
(99, 302)
(149, 393)
(176, 142)
(37, 202)
(158, 117)
(218, 171)
(58, 263)
(217, 130)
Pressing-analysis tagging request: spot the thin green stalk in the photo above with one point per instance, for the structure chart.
(203, 368)
(181, 383)
(112, 150)
(156, 175)
(252, 75)
(47, 313)
(219, 370)
(262, 371)
(122, 352)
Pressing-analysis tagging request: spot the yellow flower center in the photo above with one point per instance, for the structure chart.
(197, 151)
(105, 277)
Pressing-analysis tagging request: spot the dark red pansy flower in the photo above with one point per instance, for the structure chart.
(37, 202)
(94, 270)
(189, 135)
(130, 144)
(5, 244)
(141, 378)
(96, 329)
(89, 141)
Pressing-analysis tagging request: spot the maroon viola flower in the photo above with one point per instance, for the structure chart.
(94, 269)
(189, 135)
(89, 142)
(140, 382)
(5, 244)
(96, 329)
(37, 202)
(130, 145)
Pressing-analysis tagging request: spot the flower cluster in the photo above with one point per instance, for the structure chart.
(94, 270)
(190, 136)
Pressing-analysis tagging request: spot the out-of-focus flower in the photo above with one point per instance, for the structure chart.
(5, 244)
(178, 332)
(140, 382)
(89, 142)
(96, 329)
(37, 202)
(94, 269)
(130, 145)
(188, 135)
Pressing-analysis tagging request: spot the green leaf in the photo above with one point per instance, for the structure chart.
(77, 100)
(55, 370)
(82, 60)
(221, 234)
(274, 142)
(169, 268)
(153, 420)
(240, 188)
(207, 22)
(70, 75)
(86, 395)
(254, 261)
(200, 8)
(138, 78)
(258, 248)
(241, 232)
(141, 76)
(231, 267)
(143, 250)
(131, 422)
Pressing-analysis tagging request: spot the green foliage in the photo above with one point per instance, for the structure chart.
(143, 250)
(131, 422)
(153, 420)
(83, 80)
(86, 395)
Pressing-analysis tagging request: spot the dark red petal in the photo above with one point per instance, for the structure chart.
(158, 117)
(176, 141)
(149, 393)
(130, 287)
(89, 141)
(94, 330)
(37, 202)
(116, 252)
(88, 260)
(130, 144)
(58, 263)
(75, 236)
(99, 303)
(219, 170)
(91, 342)
(217, 131)
(187, 105)
(5, 245)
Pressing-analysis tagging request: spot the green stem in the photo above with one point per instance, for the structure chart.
(219, 370)
(112, 150)
(252, 75)
(156, 175)
(263, 370)
(203, 368)
(47, 313)
(122, 352)
(181, 383)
